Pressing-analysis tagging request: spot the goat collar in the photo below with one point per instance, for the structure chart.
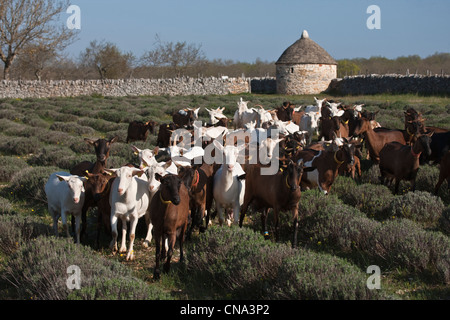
(287, 183)
(336, 159)
(286, 179)
(194, 185)
(416, 155)
(162, 200)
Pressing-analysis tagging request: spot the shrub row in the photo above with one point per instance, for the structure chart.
(17, 230)
(58, 156)
(245, 266)
(29, 183)
(19, 145)
(10, 165)
(5, 206)
(39, 271)
(339, 228)
(378, 202)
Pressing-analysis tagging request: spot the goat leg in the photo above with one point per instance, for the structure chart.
(133, 224)
(157, 271)
(294, 240)
(114, 233)
(397, 184)
(172, 239)
(264, 215)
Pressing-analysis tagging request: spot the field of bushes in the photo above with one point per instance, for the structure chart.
(359, 224)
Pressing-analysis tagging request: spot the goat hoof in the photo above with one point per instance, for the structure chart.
(130, 256)
(146, 244)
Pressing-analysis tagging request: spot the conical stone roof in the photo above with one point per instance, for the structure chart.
(305, 51)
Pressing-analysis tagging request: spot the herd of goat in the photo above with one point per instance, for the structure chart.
(176, 193)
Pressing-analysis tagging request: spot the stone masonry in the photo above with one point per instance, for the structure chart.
(304, 78)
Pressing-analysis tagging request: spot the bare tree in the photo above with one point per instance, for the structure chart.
(25, 22)
(107, 60)
(34, 59)
(178, 56)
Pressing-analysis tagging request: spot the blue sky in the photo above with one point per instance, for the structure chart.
(249, 29)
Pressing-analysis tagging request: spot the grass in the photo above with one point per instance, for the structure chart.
(62, 123)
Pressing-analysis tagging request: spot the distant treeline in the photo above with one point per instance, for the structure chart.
(438, 63)
(106, 61)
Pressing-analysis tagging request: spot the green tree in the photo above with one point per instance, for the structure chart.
(347, 68)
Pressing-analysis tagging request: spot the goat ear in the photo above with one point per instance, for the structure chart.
(430, 134)
(138, 173)
(158, 177)
(62, 178)
(156, 150)
(114, 139)
(111, 172)
(89, 141)
(218, 145)
(167, 164)
(135, 149)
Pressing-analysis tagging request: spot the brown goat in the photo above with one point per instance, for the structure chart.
(138, 130)
(284, 113)
(164, 134)
(297, 117)
(169, 211)
(401, 162)
(321, 167)
(102, 148)
(200, 182)
(375, 140)
(280, 192)
(99, 186)
(183, 118)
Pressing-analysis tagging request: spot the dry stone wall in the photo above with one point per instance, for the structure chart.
(394, 83)
(130, 87)
(357, 85)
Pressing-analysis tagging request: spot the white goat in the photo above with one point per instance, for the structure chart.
(228, 188)
(309, 123)
(146, 156)
(317, 107)
(65, 195)
(215, 115)
(244, 115)
(129, 200)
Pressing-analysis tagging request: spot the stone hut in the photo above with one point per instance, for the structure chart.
(305, 68)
